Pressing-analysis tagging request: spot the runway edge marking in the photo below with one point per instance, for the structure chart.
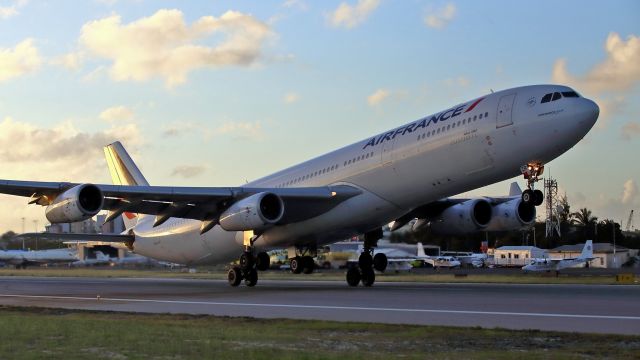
(325, 307)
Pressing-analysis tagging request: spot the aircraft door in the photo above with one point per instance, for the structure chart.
(505, 110)
(387, 152)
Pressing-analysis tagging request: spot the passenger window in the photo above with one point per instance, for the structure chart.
(448, 127)
(480, 117)
(569, 94)
(438, 130)
(464, 121)
(546, 98)
(556, 96)
(486, 114)
(475, 117)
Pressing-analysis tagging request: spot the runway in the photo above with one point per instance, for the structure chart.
(579, 308)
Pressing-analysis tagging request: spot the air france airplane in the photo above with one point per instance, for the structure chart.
(405, 173)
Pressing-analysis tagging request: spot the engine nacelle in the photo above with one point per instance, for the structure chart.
(255, 212)
(464, 218)
(512, 215)
(79, 203)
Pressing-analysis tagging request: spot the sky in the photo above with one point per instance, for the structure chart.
(216, 93)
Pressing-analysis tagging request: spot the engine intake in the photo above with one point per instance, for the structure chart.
(79, 203)
(464, 218)
(255, 212)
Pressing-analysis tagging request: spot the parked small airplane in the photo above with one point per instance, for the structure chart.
(22, 258)
(436, 261)
(546, 264)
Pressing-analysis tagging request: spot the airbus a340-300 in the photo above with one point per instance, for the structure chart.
(406, 173)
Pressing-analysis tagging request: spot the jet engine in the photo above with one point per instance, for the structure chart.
(255, 212)
(464, 218)
(512, 215)
(79, 203)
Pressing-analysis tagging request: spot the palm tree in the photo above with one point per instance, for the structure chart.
(583, 217)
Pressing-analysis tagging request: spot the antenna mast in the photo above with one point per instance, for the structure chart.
(551, 203)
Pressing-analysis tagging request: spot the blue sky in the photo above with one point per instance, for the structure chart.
(213, 93)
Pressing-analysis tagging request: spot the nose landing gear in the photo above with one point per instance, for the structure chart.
(531, 173)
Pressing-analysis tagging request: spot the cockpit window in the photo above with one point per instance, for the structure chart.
(556, 96)
(546, 98)
(569, 94)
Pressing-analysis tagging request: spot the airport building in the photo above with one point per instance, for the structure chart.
(604, 254)
(517, 255)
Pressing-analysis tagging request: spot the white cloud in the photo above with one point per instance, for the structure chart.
(290, 98)
(61, 152)
(378, 97)
(630, 191)
(164, 46)
(178, 129)
(440, 18)
(350, 16)
(630, 130)
(188, 171)
(618, 72)
(239, 130)
(71, 61)
(24, 58)
(117, 113)
(12, 10)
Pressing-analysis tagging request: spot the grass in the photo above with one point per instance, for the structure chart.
(218, 273)
(32, 333)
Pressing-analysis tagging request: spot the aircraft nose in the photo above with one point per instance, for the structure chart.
(590, 111)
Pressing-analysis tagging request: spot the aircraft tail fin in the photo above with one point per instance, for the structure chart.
(514, 189)
(124, 172)
(421, 252)
(587, 250)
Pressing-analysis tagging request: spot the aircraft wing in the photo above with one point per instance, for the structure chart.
(200, 203)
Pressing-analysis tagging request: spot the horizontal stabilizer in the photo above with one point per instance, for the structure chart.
(117, 238)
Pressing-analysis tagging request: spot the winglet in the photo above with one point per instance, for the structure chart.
(514, 189)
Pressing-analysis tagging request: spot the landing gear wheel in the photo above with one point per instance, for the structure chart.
(368, 277)
(527, 197)
(308, 265)
(353, 277)
(251, 278)
(365, 261)
(296, 265)
(263, 261)
(246, 260)
(380, 262)
(538, 197)
(234, 276)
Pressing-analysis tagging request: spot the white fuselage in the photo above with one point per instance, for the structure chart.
(20, 257)
(467, 146)
(553, 265)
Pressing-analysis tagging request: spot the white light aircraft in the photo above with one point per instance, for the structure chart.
(23, 258)
(405, 173)
(559, 264)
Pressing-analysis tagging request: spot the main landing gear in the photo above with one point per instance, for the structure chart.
(249, 265)
(364, 272)
(301, 259)
(531, 173)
